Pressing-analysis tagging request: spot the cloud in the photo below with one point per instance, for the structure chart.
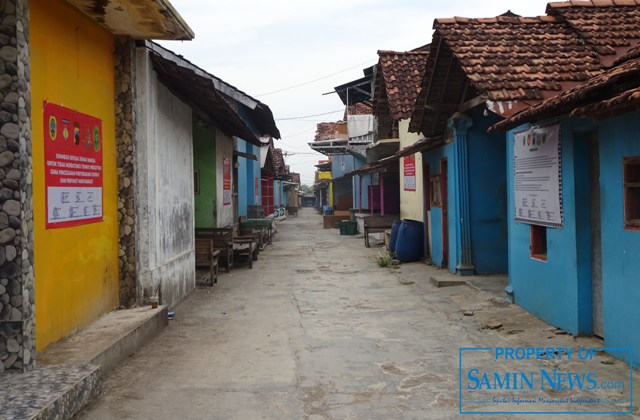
(261, 46)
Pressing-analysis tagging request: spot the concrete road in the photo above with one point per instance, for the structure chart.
(317, 330)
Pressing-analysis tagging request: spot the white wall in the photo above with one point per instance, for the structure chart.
(224, 149)
(164, 186)
(411, 202)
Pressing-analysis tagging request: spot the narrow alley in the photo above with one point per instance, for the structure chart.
(317, 330)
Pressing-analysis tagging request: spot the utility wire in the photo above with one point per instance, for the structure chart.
(316, 80)
(308, 116)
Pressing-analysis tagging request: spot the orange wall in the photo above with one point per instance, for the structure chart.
(76, 268)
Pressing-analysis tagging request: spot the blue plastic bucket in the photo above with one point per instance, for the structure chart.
(409, 243)
(394, 235)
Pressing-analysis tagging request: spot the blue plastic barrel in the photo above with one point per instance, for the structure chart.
(394, 235)
(409, 243)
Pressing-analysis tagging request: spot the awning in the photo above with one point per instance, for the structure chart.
(416, 147)
(372, 167)
(139, 19)
(330, 147)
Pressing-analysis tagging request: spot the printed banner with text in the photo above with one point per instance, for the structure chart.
(537, 178)
(73, 167)
(226, 182)
(410, 173)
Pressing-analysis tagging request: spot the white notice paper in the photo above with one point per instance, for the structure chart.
(537, 176)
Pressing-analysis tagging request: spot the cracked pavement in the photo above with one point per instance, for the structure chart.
(317, 330)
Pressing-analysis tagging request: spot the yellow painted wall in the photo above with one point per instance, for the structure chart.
(76, 268)
(411, 202)
(322, 175)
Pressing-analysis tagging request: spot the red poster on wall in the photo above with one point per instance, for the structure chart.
(226, 182)
(410, 173)
(73, 167)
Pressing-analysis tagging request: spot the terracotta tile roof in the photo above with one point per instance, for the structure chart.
(616, 90)
(609, 26)
(278, 161)
(360, 108)
(513, 58)
(521, 59)
(325, 131)
(295, 177)
(400, 75)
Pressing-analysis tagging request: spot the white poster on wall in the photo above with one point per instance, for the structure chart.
(537, 176)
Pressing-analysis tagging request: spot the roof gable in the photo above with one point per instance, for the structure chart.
(399, 81)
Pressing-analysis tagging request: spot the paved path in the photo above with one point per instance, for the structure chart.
(317, 331)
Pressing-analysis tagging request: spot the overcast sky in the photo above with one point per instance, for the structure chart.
(265, 48)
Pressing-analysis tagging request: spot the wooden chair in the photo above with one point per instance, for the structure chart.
(207, 256)
(246, 245)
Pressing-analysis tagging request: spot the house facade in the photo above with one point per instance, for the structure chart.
(66, 158)
(397, 82)
(594, 194)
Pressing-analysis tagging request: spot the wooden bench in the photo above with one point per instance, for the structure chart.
(264, 224)
(207, 256)
(376, 224)
(246, 246)
(222, 241)
(259, 233)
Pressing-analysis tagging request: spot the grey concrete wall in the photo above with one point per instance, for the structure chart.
(224, 149)
(164, 186)
(17, 317)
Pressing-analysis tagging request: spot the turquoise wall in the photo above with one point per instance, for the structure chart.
(559, 290)
(243, 173)
(433, 158)
(487, 164)
(621, 247)
(549, 289)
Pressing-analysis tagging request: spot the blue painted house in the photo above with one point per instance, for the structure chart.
(247, 157)
(344, 143)
(582, 274)
(480, 71)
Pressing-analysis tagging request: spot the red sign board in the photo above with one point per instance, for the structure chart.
(410, 173)
(73, 167)
(226, 182)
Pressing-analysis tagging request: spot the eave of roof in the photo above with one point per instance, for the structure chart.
(139, 19)
(614, 90)
(212, 97)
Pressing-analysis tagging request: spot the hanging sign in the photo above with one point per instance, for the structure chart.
(73, 167)
(410, 173)
(226, 182)
(537, 176)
